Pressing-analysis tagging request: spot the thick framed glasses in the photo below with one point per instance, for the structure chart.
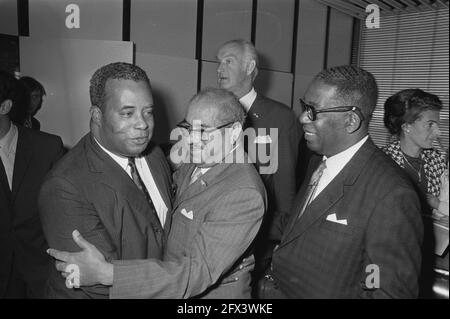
(201, 130)
(312, 112)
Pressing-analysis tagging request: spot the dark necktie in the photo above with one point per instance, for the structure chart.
(312, 186)
(4, 180)
(140, 184)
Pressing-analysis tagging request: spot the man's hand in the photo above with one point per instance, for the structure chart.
(92, 266)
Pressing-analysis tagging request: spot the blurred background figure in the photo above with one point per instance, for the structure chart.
(412, 117)
(35, 92)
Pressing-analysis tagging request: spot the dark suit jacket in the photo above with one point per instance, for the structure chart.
(215, 219)
(280, 174)
(90, 192)
(22, 242)
(318, 258)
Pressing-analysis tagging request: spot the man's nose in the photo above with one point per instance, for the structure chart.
(142, 122)
(303, 118)
(219, 67)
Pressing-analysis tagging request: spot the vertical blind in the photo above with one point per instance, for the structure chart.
(408, 51)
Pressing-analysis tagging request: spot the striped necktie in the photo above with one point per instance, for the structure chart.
(312, 186)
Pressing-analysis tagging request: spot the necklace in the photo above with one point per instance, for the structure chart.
(419, 171)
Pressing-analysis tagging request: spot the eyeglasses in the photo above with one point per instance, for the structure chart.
(312, 112)
(201, 130)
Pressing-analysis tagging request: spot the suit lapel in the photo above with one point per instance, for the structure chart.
(191, 190)
(331, 195)
(111, 174)
(22, 160)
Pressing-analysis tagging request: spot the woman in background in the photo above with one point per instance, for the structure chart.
(35, 91)
(412, 117)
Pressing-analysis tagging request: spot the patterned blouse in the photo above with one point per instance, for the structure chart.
(433, 163)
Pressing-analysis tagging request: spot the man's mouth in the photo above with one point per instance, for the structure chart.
(140, 140)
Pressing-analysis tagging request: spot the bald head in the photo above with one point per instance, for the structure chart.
(219, 106)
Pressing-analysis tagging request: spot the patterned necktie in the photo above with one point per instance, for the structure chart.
(140, 184)
(312, 186)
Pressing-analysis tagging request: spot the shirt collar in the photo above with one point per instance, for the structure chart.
(339, 160)
(7, 142)
(248, 99)
(122, 161)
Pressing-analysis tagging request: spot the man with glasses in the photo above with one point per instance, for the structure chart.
(355, 229)
(216, 214)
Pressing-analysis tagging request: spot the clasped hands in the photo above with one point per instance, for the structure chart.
(84, 268)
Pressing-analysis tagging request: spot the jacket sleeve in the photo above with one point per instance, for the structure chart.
(223, 237)
(393, 245)
(63, 208)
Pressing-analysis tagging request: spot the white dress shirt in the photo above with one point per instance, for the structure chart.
(8, 147)
(147, 178)
(248, 99)
(335, 164)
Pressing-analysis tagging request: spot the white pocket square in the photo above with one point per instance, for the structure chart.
(333, 218)
(263, 139)
(189, 214)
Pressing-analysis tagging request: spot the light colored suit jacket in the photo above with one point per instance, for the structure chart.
(214, 221)
(90, 192)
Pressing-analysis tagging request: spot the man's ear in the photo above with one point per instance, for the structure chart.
(96, 115)
(251, 67)
(5, 107)
(352, 122)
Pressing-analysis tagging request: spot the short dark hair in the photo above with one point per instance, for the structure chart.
(6, 86)
(230, 108)
(32, 85)
(406, 106)
(116, 71)
(354, 86)
(12, 89)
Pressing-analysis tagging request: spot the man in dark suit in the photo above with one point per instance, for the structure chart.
(217, 213)
(273, 134)
(355, 230)
(25, 158)
(114, 186)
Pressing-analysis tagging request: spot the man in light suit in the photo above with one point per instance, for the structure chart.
(114, 186)
(355, 231)
(217, 213)
(280, 168)
(25, 158)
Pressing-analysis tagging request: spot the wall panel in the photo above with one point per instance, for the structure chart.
(99, 19)
(340, 33)
(311, 39)
(274, 33)
(165, 27)
(8, 17)
(223, 21)
(174, 82)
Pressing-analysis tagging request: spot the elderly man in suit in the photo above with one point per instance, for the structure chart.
(217, 212)
(273, 142)
(355, 230)
(25, 158)
(114, 186)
